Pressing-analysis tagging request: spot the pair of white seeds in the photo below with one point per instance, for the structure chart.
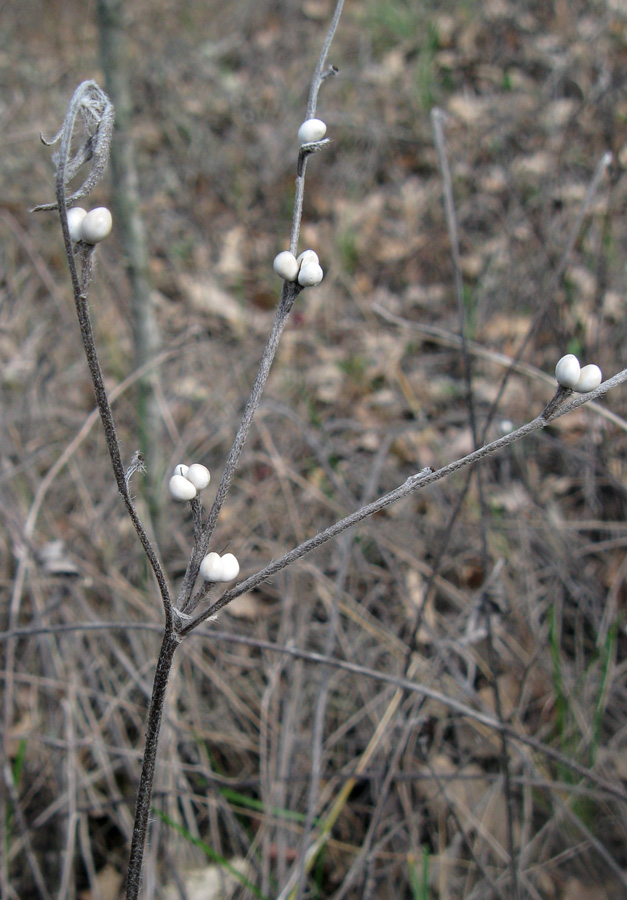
(219, 568)
(185, 484)
(571, 375)
(188, 481)
(89, 227)
(305, 269)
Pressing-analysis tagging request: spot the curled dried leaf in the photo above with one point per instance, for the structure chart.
(97, 114)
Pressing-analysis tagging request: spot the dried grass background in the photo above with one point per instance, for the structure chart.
(356, 402)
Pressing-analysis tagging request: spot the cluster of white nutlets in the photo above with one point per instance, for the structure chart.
(305, 269)
(186, 483)
(89, 227)
(571, 375)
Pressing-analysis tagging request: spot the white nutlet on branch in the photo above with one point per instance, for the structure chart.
(199, 476)
(181, 489)
(181, 469)
(311, 131)
(230, 567)
(310, 274)
(75, 218)
(219, 568)
(211, 567)
(567, 371)
(589, 379)
(307, 256)
(286, 266)
(96, 225)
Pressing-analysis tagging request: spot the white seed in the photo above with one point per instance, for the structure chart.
(211, 568)
(96, 225)
(286, 266)
(75, 218)
(310, 274)
(567, 371)
(181, 469)
(181, 489)
(589, 379)
(199, 476)
(230, 567)
(311, 131)
(307, 256)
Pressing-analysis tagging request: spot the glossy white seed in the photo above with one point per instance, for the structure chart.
(286, 266)
(199, 476)
(181, 489)
(75, 218)
(567, 371)
(230, 567)
(307, 256)
(310, 274)
(589, 379)
(312, 130)
(211, 568)
(96, 225)
(181, 469)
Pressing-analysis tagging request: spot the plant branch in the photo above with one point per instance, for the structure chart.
(186, 603)
(97, 113)
(144, 793)
(413, 483)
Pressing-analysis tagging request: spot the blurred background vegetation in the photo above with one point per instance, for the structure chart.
(367, 388)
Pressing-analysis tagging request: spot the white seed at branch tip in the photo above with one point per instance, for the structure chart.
(567, 371)
(589, 379)
(311, 131)
(230, 567)
(199, 476)
(75, 218)
(307, 256)
(96, 225)
(310, 274)
(181, 469)
(286, 266)
(181, 489)
(211, 568)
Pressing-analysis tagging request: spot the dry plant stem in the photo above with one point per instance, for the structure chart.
(413, 483)
(504, 757)
(144, 793)
(97, 113)
(80, 288)
(319, 74)
(186, 603)
(323, 689)
(437, 119)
